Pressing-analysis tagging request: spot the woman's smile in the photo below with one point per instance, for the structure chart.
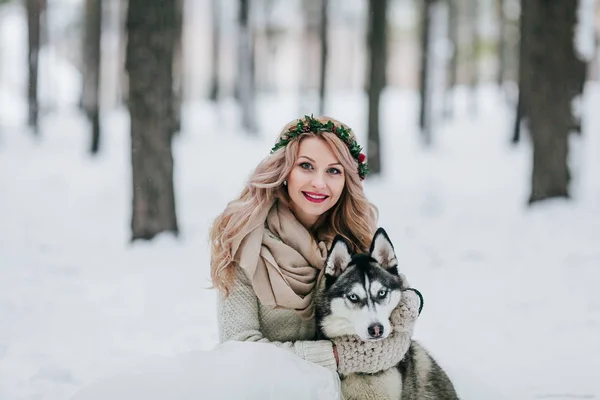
(315, 197)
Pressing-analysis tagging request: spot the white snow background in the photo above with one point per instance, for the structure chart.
(511, 292)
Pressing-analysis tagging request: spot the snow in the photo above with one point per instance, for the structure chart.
(585, 31)
(511, 303)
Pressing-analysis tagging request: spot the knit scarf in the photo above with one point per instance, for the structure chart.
(282, 259)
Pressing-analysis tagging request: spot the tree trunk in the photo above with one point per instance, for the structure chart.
(90, 93)
(246, 70)
(34, 12)
(473, 60)
(152, 37)
(501, 42)
(377, 78)
(524, 73)
(123, 79)
(178, 69)
(453, 63)
(216, 44)
(518, 117)
(424, 112)
(557, 79)
(308, 77)
(453, 36)
(271, 37)
(323, 72)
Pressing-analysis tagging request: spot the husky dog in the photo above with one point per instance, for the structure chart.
(356, 297)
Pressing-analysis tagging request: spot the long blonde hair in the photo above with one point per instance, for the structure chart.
(352, 217)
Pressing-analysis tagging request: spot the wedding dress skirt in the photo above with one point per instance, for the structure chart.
(232, 370)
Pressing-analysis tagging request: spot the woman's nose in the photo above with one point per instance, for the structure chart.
(318, 181)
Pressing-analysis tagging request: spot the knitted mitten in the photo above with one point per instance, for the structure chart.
(358, 356)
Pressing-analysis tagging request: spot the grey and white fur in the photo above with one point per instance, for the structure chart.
(356, 297)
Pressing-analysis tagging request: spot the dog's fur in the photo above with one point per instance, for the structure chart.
(357, 297)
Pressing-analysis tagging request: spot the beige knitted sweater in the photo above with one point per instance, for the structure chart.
(242, 317)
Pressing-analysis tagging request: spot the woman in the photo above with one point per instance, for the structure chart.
(269, 245)
(268, 250)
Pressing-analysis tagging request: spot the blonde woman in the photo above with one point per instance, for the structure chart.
(269, 245)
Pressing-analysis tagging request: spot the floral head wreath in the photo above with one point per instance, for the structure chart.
(310, 124)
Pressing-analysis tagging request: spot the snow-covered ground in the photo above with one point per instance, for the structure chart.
(511, 300)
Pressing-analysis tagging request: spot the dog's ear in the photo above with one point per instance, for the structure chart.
(382, 250)
(339, 257)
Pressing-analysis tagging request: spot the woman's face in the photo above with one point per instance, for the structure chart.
(316, 181)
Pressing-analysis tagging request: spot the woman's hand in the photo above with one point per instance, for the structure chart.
(335, 355)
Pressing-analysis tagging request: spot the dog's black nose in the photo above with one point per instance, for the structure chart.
(375, 330)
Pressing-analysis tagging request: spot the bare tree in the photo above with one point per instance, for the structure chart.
(246, 68)
(272, 32)
(524, 73)
(216, 44)
(501, 42)
(424, 79)
(90, 93)
(377, 39)
(558, 78)
(308, 79)
(123, 79)
(323, 75)
(152, 38)
(452, 73)
(511, 39)
(35, 9)
(519, 114)
(473, 17)
(525, 23)
(178, 69)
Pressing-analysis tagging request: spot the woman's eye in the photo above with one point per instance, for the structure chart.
(305, 165)
(334, 171)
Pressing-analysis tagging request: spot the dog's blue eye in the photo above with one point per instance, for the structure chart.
(382, 293)
(353, 298)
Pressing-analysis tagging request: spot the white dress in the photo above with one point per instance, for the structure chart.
(232, 370)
